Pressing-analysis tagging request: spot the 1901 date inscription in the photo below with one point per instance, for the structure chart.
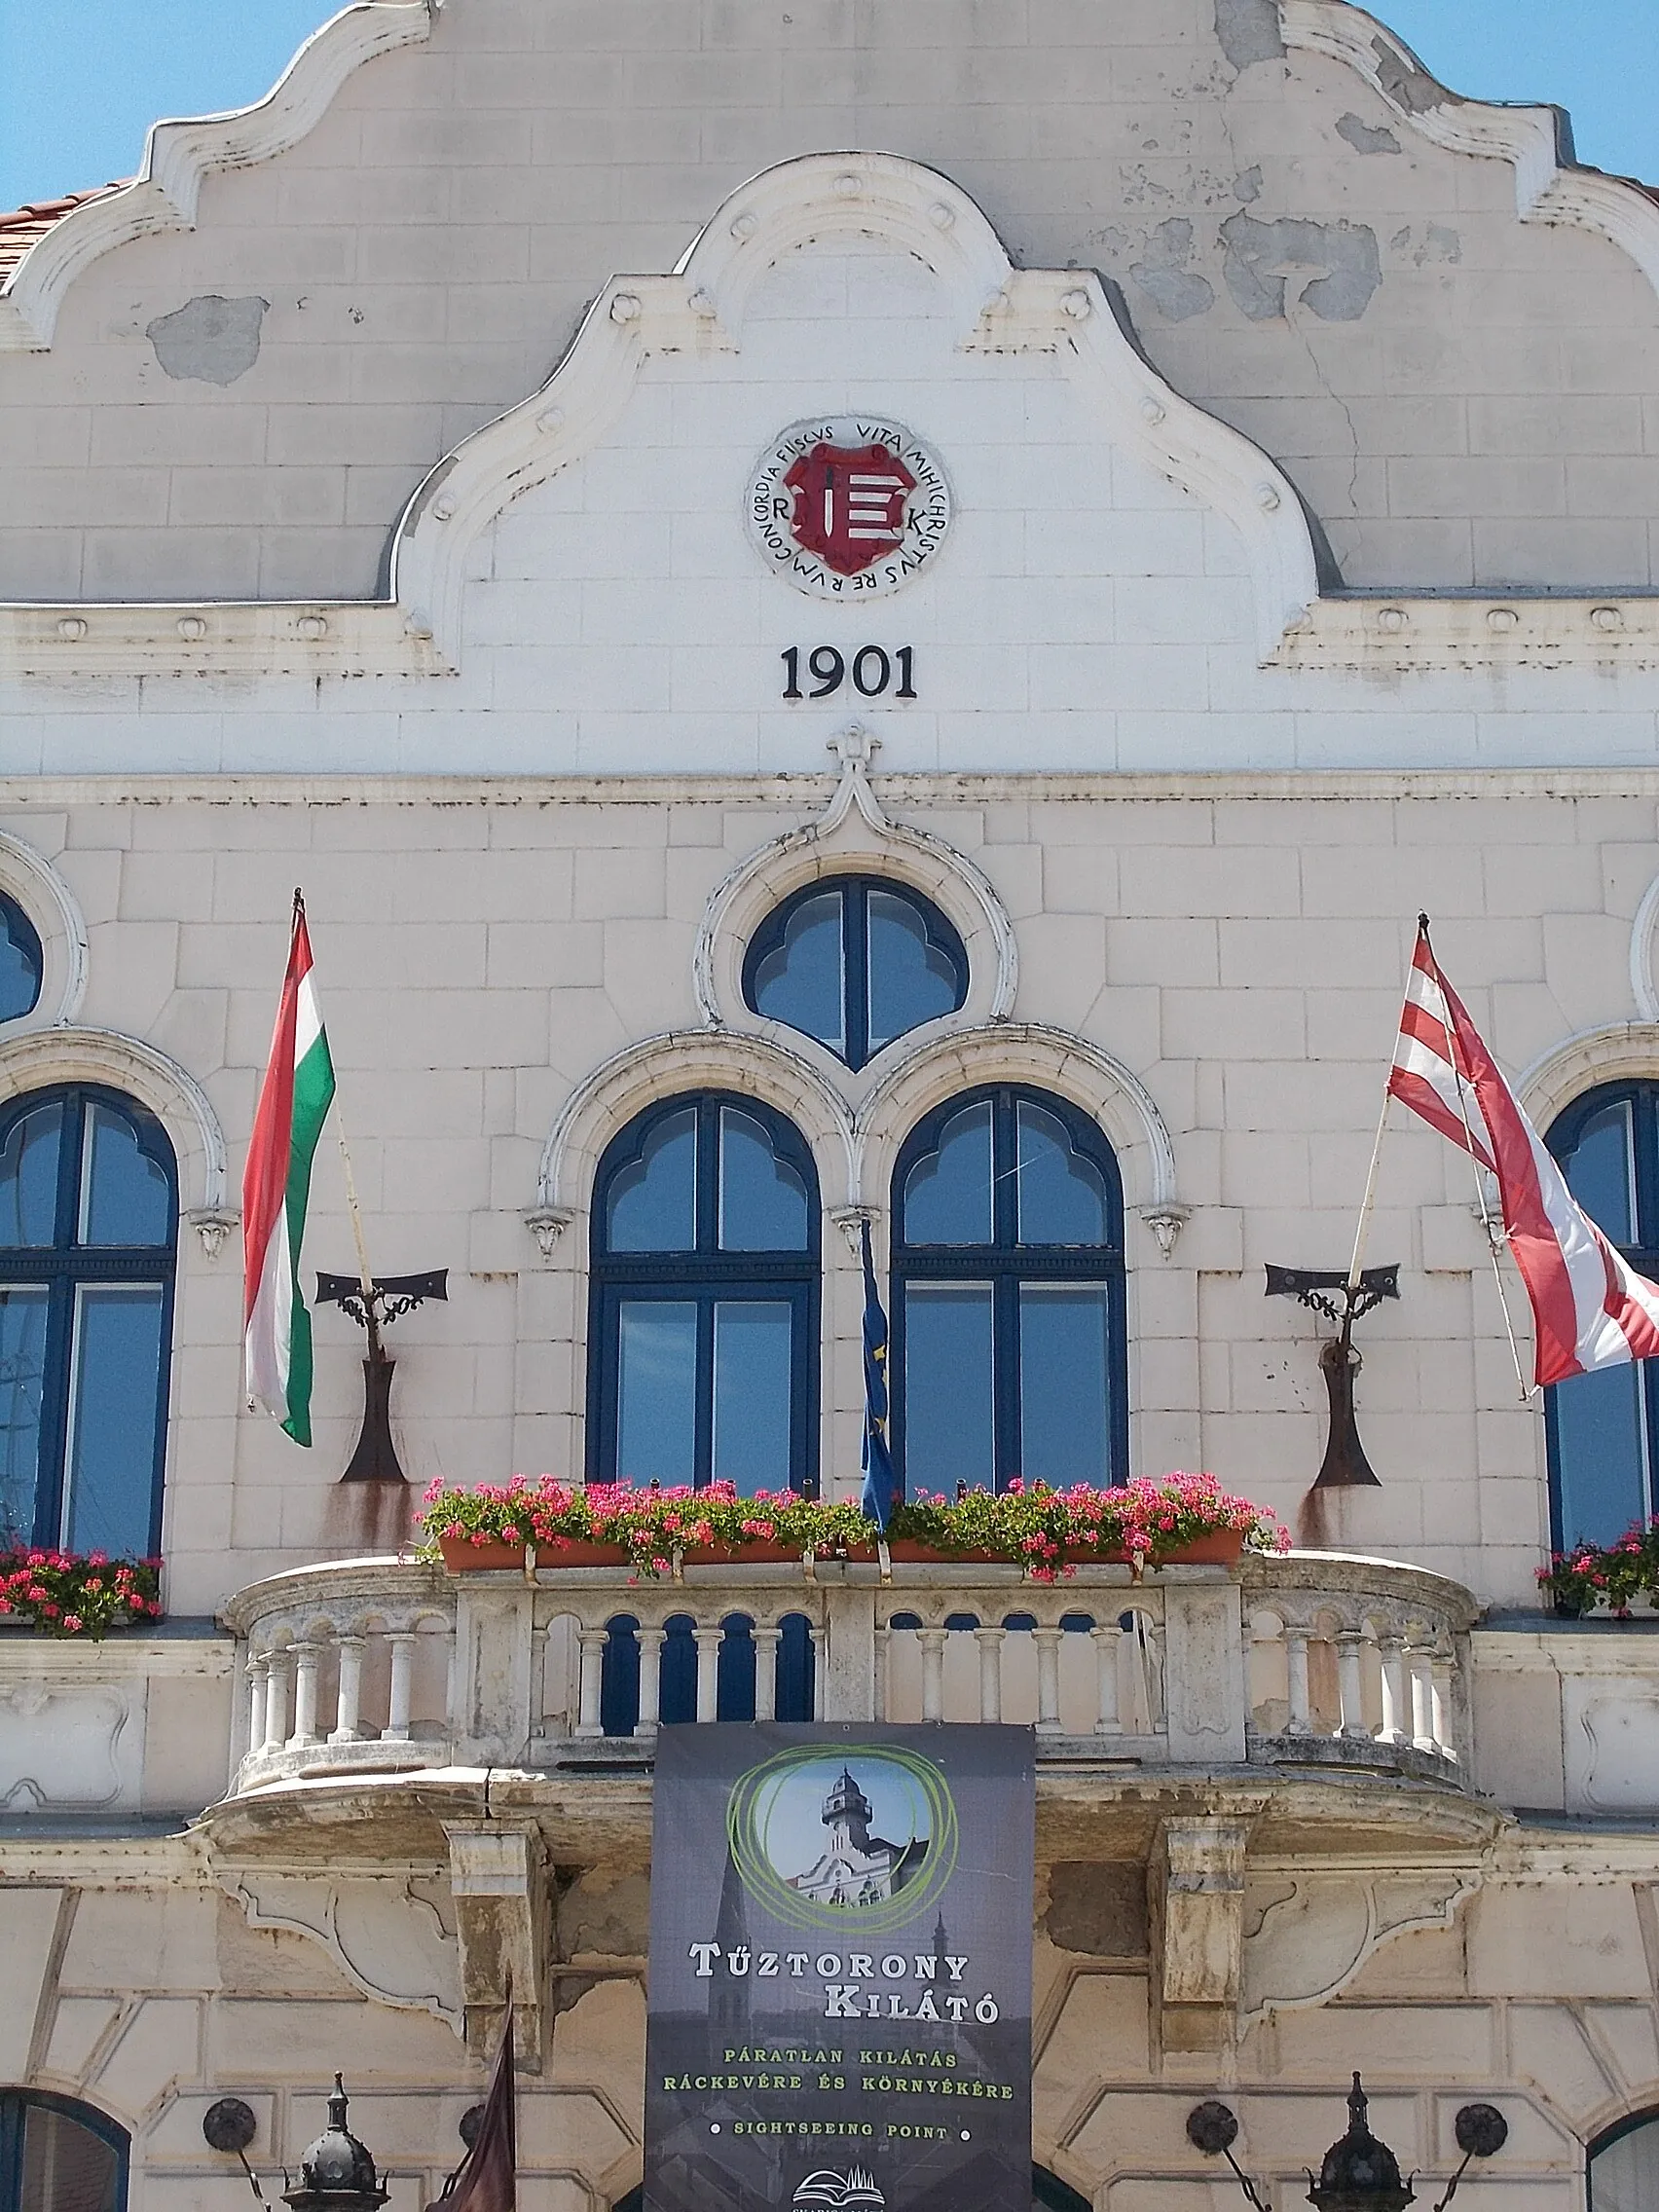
(872, 670)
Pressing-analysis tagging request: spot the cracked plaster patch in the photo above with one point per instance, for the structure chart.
(1367, 137)
(1261, 258)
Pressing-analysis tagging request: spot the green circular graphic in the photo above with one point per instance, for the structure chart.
(773, 1856)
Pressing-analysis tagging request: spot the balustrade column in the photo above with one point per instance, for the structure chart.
(1108, 1641)
(1393, 1730)
(258, 1668)
(590, 1680)
(932, 1644)
(708, 1642)
(766, 1642)
(990, 1641)
(1420, 1658)
(401, 1700)
(1299, 1714)
(1047, 1642)
(1351, 1694)
(538, 1683)
(349, 1703)
(650, 1642)
(1440, 1704)
(276, 1698)
(307, 1655)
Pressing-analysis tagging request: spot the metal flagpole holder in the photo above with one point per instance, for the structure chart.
(1343, 1298)
(372, 1305)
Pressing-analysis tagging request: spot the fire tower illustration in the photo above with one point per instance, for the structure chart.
(857, 1868)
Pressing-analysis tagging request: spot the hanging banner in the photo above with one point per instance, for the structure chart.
(840, 1969)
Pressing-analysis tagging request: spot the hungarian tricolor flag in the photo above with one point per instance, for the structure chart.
(1591, 1306)
(299, 1084)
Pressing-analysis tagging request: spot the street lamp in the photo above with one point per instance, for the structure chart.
(1360, 2173)
(337, 2173)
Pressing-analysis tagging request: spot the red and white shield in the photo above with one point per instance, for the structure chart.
(849, 505)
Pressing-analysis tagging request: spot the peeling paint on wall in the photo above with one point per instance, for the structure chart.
(1367, 137)
(1405, 81)
(1249, 31)
(1247, 184)
(211, 338)
(1263, 257)
(1162, 274)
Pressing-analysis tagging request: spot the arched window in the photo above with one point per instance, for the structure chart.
(1601, 1427)
(703, 1335)
(1624, 2166)
(1007, 1324)
(23, 963)
(855, 963)
(57, 2156)
(88, 1221)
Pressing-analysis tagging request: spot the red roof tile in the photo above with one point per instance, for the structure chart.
(22, 225)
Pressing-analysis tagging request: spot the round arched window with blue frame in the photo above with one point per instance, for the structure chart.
(855, 962)
(22, 961)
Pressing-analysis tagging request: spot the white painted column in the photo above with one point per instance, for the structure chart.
(1350, 1695)
(1108, 1641)
(402, 1698)
(708, 1642)
(1393, 1729)
(990, 1641)
(276, 1697)
(1299, 1718)
(932, 1644)
(307, 1656)
(766, 1643)
(1420, 1658)
(349, 1703)
(1047, 1642)
(590, 1680)
(650, 1642)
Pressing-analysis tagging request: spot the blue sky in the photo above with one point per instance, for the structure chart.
(80, 80)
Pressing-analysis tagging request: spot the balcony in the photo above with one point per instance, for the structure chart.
(1279, 1672)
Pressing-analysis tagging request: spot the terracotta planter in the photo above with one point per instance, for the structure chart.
(909, 1549)
(1220, 1548)
(462, 1556)
(578, 1552)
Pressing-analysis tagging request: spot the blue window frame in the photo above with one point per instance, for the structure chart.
(855, 962)
(1008, 1292)
(59, 2155)
(1623, 2165)
(23, 964)
(1600, 1429)
(89, 1226)
(703, 1325)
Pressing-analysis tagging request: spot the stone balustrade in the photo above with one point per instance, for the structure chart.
(1357, 1660)
(1313, 1659)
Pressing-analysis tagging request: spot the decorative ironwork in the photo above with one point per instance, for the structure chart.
(1359, 2173)
(386, 1299)
(1340, 1298)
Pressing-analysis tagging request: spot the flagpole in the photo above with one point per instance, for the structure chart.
(1364, 1221)
(1480, 1211)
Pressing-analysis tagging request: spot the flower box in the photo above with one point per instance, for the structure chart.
(658, 1532)
(54, 1593)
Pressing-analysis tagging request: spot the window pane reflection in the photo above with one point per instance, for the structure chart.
(653, 1199)
(947, 1385)
(1062, 1196)
(801, 981)
(751, 1394)
(762, 1198)
(1625, 2176)
(947, 1195)
(126, 1197)
(28, 1177)
(1599, 1172)
(1602, 1446)
(21, 963)
(911, 979)
(656, 1391)
(65, 2166)
(22, 1370)
(112, 1435)
(1064, 1384)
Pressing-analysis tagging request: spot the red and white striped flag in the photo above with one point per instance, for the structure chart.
(1591, 1308)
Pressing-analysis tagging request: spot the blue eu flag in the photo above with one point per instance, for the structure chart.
(878, 1483)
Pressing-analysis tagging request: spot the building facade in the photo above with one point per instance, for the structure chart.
(422, 487)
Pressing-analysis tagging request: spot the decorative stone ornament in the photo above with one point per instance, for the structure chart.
(848, 507)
